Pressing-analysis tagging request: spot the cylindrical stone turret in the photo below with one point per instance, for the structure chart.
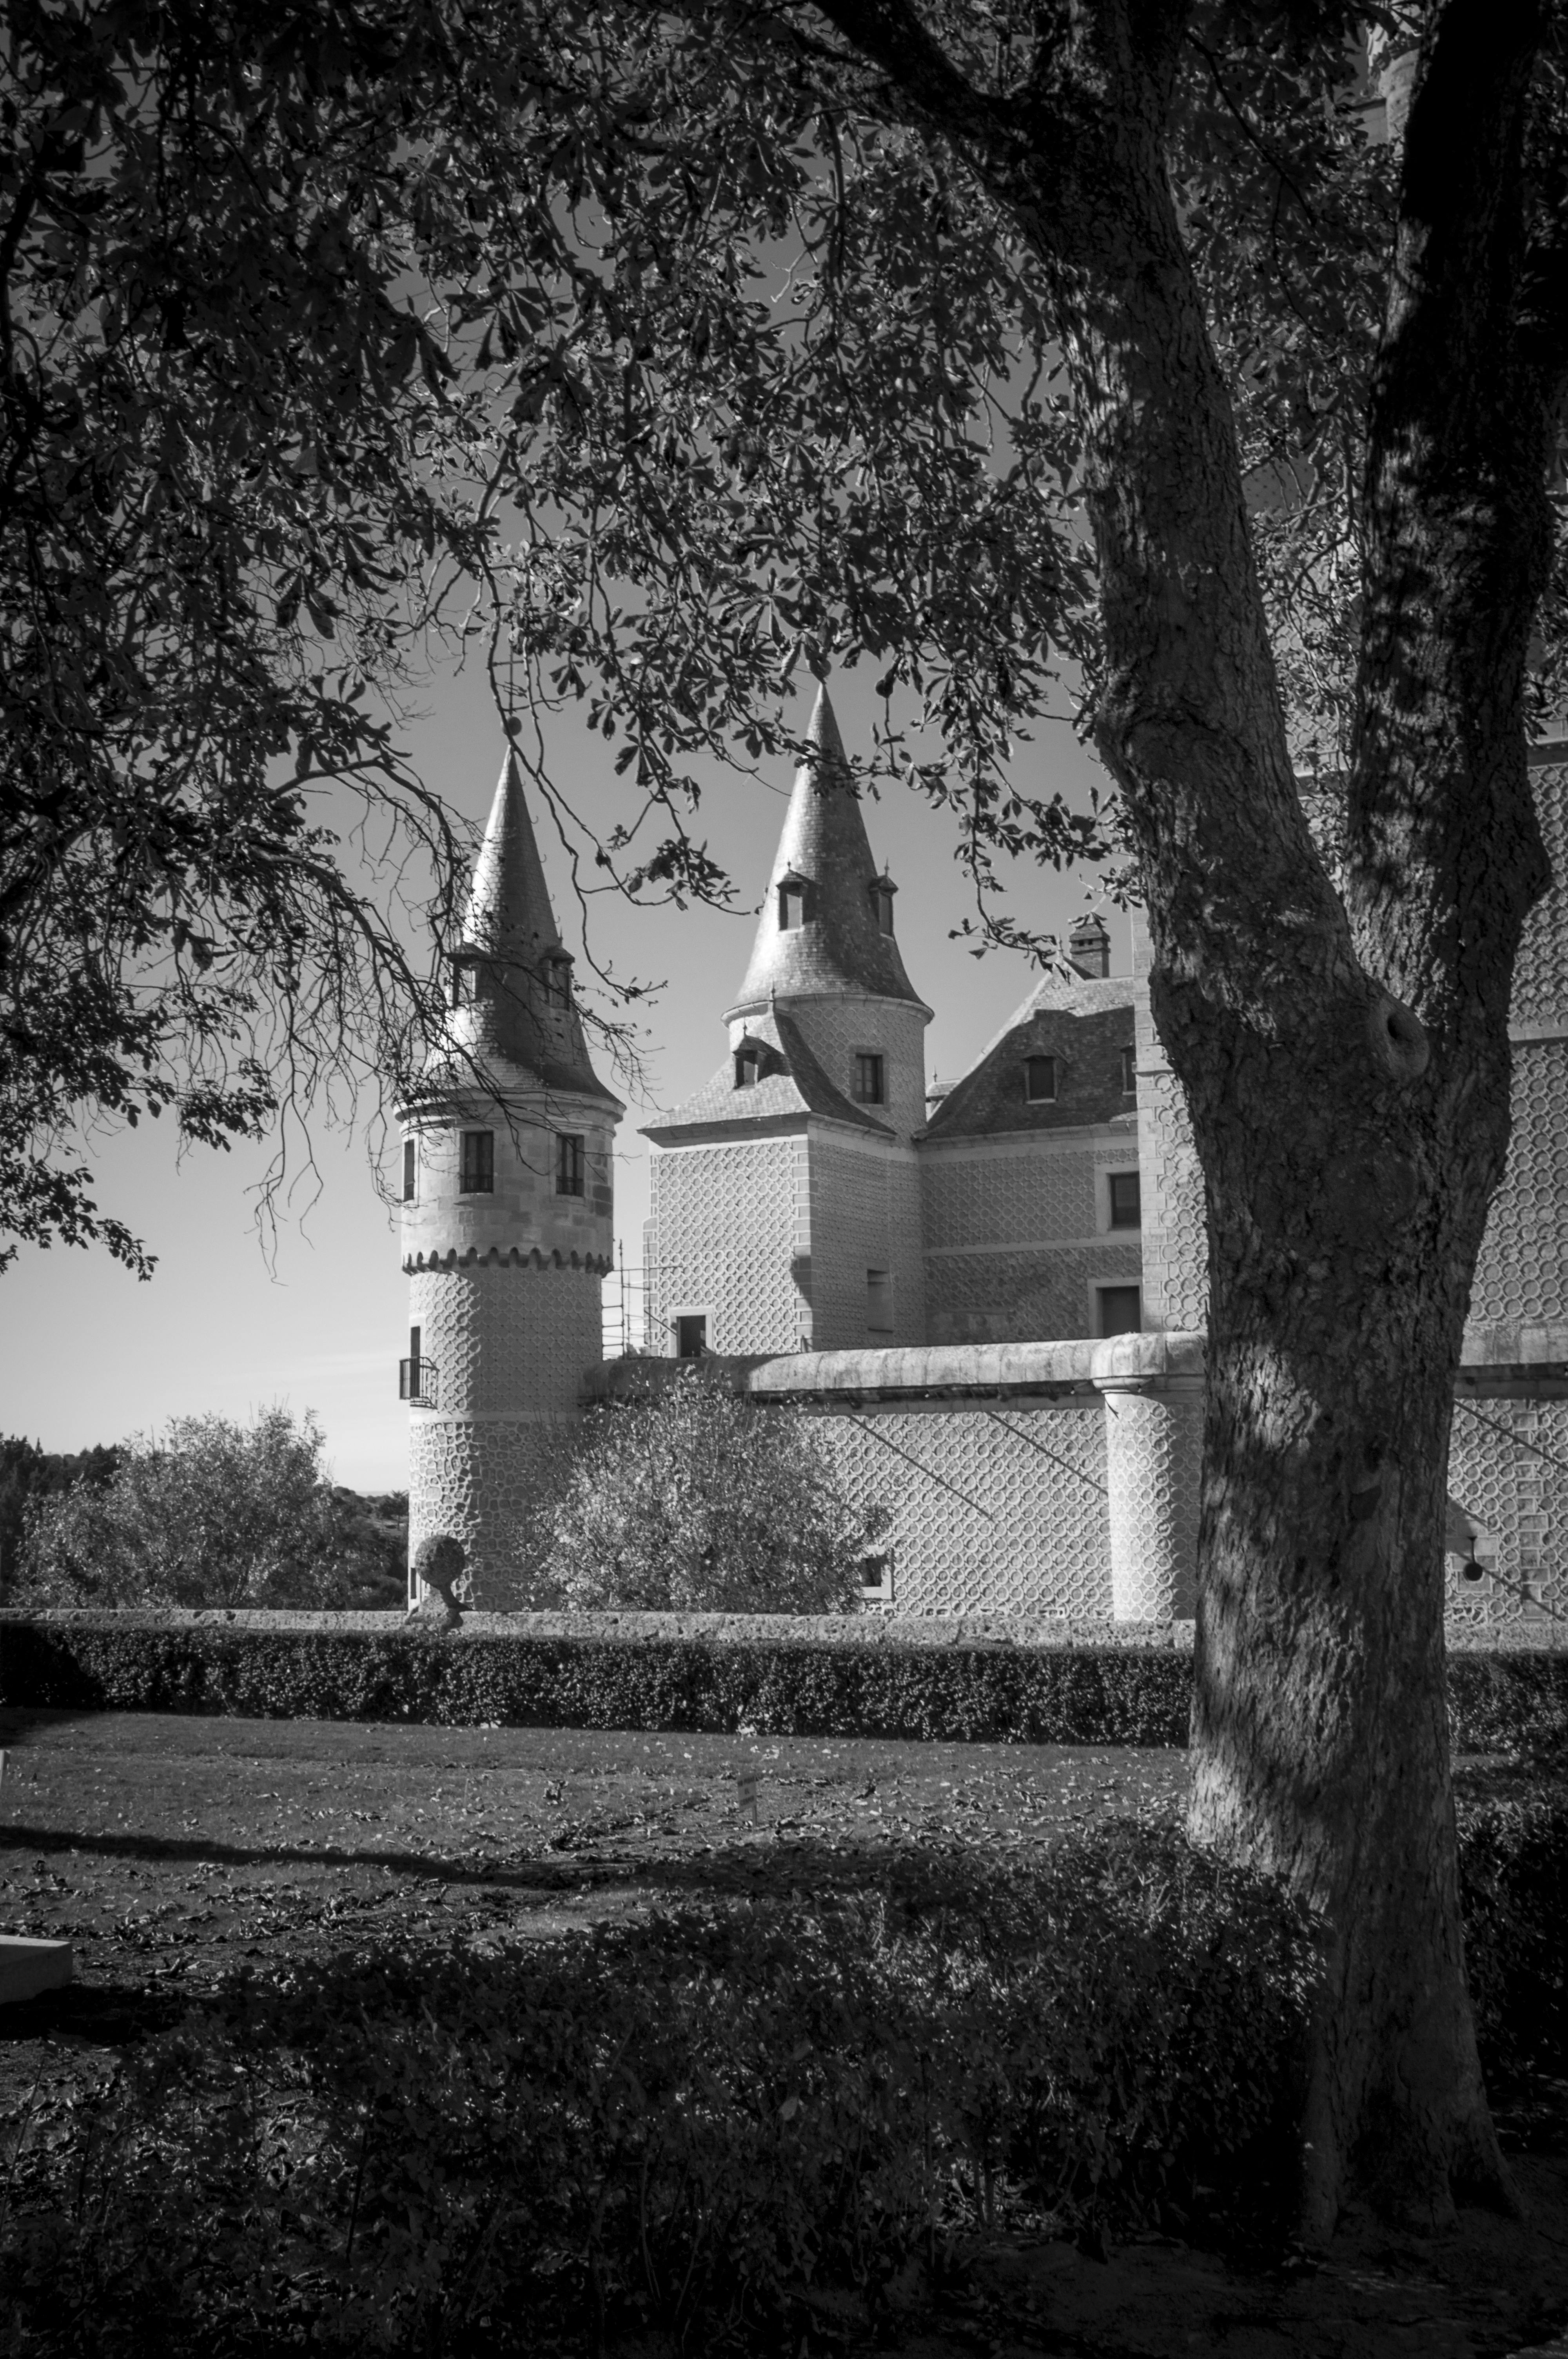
(1154, 1391)
(507, 1218)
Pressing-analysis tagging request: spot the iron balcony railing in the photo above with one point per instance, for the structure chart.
(419, 1381)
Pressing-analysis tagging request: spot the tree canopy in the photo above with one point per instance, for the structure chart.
(1139, 353)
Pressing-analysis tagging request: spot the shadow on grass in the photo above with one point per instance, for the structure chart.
(790, 1867)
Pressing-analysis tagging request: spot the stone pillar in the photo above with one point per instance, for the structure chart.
(1154, 1427)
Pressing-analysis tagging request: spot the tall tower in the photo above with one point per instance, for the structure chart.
(786, 1209)
(507, 1213)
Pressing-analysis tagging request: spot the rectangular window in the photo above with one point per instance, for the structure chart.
(414, 1346)
(1126, 1206)
(876, 1580)
(1120, 1309)
(1040, 1080)
(868, 1078)
(410, 1170)
(1130, 1072)
(476, 1175)
(691, 1335)
(879, 1302)
(568, 1163)
(746, 1069)
(465, 984)
(792, 907)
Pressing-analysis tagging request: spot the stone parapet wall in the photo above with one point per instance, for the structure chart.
(876, 1630)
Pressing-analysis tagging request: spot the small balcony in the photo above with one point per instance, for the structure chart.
(419, 1382)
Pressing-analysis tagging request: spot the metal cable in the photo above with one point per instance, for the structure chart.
(1068, 1468)
(928, 1472)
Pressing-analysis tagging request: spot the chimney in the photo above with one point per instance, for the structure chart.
(1090, 945)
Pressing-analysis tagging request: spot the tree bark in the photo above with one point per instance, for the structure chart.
(1346, 1062)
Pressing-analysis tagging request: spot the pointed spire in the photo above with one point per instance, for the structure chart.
(820, 929)
(511, 972)
(509, 913)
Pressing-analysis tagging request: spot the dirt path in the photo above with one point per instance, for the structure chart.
(172, 1850)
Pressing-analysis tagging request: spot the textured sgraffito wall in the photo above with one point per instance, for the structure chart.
(865, 1216)
(1507, 1465)
(999, 1511)
(1017, 1237)
(731, 1225)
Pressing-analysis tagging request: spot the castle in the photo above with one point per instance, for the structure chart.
(991, 1297)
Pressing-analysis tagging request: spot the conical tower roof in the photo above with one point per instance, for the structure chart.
(515, 1004)
(840, 945)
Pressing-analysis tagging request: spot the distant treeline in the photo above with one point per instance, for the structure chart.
(83, 1526)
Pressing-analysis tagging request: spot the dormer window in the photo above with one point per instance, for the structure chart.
(1040, 1080)
(883, 889)
(465, 982)
(1130, 1072)
(558, 979)
(793, 897)
(746, 1063)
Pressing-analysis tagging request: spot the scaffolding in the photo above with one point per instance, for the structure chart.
(624, 1308)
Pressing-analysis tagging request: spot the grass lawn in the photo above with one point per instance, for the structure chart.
(173, 1851)
(169, 1849)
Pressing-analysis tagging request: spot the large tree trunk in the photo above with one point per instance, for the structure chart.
(1347, 1076)
(1347, 1068)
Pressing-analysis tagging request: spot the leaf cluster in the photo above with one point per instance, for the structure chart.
(218, 397)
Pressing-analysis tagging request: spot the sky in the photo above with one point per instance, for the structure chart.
(225, 1326)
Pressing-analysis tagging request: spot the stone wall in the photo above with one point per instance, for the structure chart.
(865, 1214)
(731, 1225)
(1507, 1465)
(835, 1025)
(995, 1510)
(1017, 1235)
(482, 1479)
(507, 1338)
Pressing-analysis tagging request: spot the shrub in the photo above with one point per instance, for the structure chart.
(211, 1514)
(1513, 1868)
(1105, 1695)
(695, 1500)
(729, 2128)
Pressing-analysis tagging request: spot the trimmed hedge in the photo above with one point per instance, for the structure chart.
(1089, 1695)
(973, 1694)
